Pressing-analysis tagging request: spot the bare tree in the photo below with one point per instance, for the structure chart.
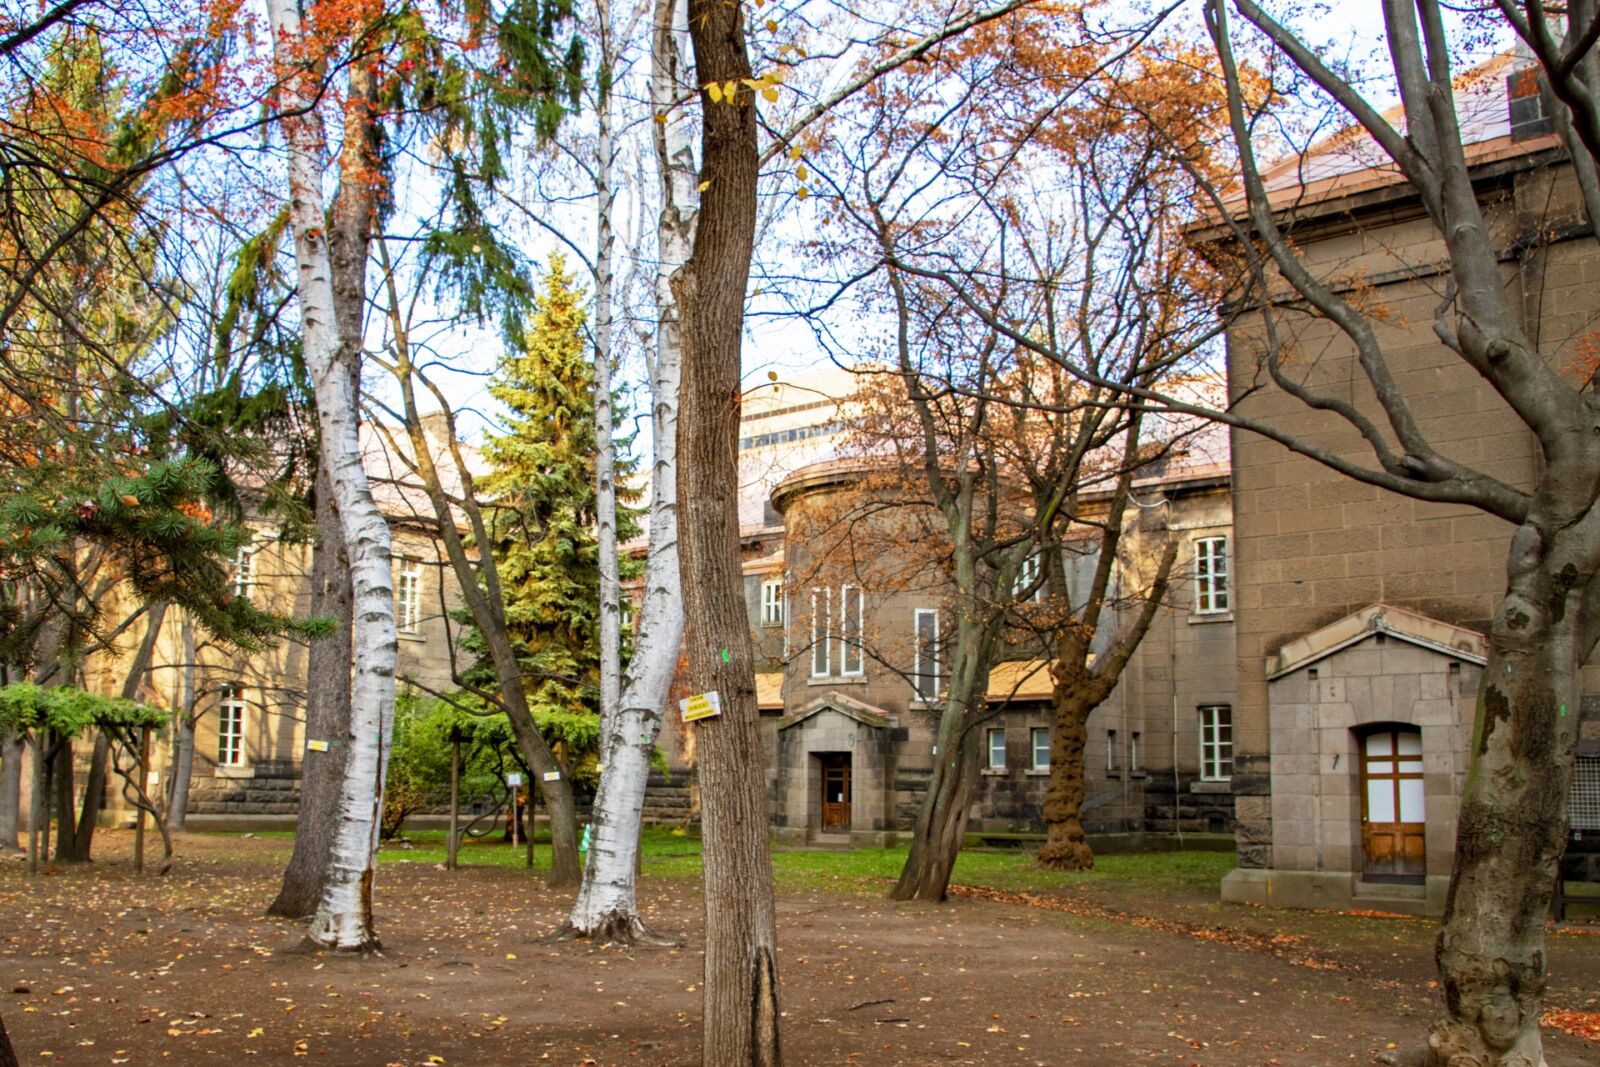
(1005, 184)
(1513, 816)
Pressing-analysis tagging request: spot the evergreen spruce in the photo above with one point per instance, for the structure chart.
(543, 491)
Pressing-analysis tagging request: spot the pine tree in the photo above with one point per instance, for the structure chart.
(543, 491)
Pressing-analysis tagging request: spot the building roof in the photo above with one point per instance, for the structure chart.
(1350, 161)
(1457, 642)
(1023, 679)
(850, 708)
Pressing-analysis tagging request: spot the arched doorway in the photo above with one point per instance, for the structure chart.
(1393, 819)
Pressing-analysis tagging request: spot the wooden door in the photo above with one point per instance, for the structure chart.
(1392, 815)
(836, 791)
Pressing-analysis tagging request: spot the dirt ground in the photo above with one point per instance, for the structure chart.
(100, 966)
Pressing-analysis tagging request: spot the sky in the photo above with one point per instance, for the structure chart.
(784, 346)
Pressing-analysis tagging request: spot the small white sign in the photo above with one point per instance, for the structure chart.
(700, 706)
(317, 746)
(155, 778)
(552, 776)
(514, 779)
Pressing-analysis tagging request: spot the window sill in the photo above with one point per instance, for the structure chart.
(996, 772)
(1038, 772)
(410, 635)
(837, 679)
(223, 770)
(1209, 786)
(1139, 775)
(1200, 618)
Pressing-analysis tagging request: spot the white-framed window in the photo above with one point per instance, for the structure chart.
(1111, 751)
(1027, 575)
(852, 655)
(995, 749)
(925, 669)
(1216, 742)
(231, 710)
(772, 602)
(1039, 748)
(1133, 751)
(625, 612)
(1210, 575)
(787, 615)
(408, 596)
(821, 639)
(244, 567)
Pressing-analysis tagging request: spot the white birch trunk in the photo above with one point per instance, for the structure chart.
(605, 463)
(343, 919)
(607, 905)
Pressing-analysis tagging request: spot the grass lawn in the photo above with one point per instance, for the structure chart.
(672, 854)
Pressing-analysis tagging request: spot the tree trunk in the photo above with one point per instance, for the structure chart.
(327, 717)
(1065, 847)
(8, 1055)
(74, 843)
(741, 966)
(328, 661)
(343, 919)
(11, 755)
(1513, 824)
(181, 769)
(607, 905)
(942, 819)
(61, 784)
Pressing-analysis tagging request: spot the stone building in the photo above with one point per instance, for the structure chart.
(1360, 613)
(849, 669)
(249, 739)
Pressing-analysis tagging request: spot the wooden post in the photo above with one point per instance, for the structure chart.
(36, 800)
(49, 806)
(516, 816)
(455, 799)
(139, 801)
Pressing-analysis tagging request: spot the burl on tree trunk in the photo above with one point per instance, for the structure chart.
(1066, 847)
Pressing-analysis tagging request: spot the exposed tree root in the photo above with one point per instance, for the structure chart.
(309, 947)
(614, 928)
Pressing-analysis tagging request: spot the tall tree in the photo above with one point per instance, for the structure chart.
(507, 676)
(1014, 171)
(1513, 816)
(343, 919)
(542, 486)
(741, 967)
(631, 707)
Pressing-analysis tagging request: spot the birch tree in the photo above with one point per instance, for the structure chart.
(343, 919)
(631, 703)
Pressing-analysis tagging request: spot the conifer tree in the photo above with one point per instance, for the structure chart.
(543, 493)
